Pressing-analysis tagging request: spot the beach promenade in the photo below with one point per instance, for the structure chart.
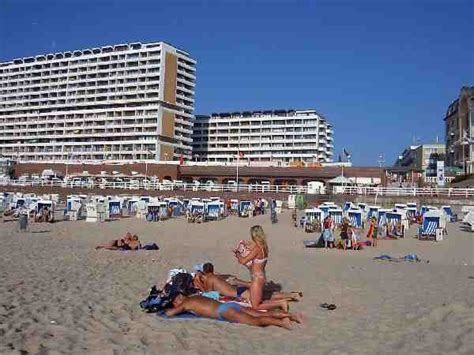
(60, 295)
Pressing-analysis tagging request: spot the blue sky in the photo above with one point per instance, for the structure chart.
(381, 71)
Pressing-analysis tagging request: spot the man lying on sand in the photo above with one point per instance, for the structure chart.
(208, 281)
(206, 307)
(130, 242)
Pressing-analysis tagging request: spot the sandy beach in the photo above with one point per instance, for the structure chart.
(60, 295)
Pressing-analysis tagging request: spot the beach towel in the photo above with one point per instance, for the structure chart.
(409, 258)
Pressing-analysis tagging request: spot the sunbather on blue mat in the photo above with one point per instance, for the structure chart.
(232, 312)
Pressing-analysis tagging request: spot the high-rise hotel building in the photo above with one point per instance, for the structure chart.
(123, 102)
(277, 135)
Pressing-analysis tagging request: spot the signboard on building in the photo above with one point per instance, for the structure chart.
(440, 173)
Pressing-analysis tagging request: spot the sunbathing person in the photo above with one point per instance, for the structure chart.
(206, 307)
(129, 242)
(207, 281)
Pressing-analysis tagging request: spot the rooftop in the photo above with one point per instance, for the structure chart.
(259, 113)
(88, 51)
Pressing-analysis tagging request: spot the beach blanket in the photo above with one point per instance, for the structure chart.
(388, 238)
(148, 246)
(409, 258)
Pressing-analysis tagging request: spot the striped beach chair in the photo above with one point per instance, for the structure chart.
(355, 218)
(373, 212)
(429, 226)
(325, 210)
(449, 213)
(336, 215)
(382, 217)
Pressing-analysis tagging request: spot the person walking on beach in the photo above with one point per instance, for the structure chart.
(372, 232)
(345, 229)
(255, 258)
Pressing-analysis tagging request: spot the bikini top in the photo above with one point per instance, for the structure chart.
(257, 260)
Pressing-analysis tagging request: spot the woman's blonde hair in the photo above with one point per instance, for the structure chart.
(258, 236)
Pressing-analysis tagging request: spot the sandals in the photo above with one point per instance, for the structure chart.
(329, 307)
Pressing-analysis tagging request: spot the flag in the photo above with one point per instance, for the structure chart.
(181, 160)
(346, 153)
(241, 155)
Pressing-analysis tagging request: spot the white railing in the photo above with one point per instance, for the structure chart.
(157, 186)
(405, 191)
(291, 189)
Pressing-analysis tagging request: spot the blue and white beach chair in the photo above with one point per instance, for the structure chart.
(40, 204)
(153, 212)
(244, 208)
(196, 207)
(147, 199)
(132, 206)
(400, 206)
(394, 218)
(324, 209)
(355, 217)
(383, 217)
(449, 213)
(411, 212)
(373, 211)
(433, 222)
(336, 215)
(213, 210)
(362, 206)
(115, 209)
(347, 206)
(314, 214)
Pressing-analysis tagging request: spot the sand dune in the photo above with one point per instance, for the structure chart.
(61, 295)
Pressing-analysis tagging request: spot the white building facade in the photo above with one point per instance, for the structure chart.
(263, 136)
(126, 102)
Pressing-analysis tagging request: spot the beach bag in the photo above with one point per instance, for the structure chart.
(151, 246)
(156, 301)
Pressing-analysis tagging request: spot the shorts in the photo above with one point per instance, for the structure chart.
(241, 290)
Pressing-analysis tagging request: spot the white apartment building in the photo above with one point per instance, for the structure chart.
(124, 102)
(278, 135)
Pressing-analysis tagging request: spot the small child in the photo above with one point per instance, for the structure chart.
(355, 238)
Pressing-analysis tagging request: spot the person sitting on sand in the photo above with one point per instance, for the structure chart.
(232, 312)
(134, 243)
(355, 238)
(207, 281)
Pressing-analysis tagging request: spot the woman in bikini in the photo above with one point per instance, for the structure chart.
(256, 261)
